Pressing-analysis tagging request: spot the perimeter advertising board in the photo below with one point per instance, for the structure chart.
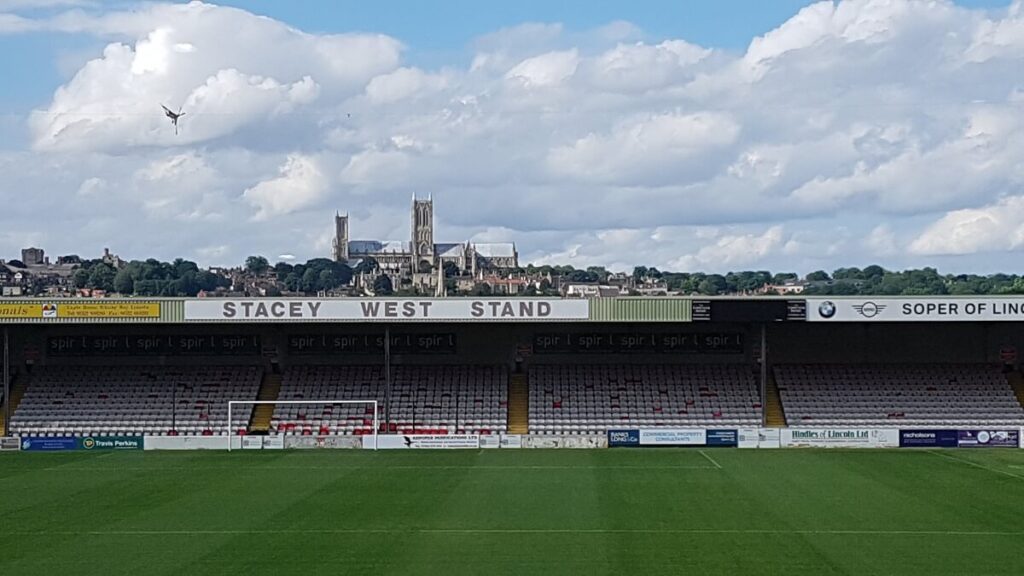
(48, 444)
(424, 441)
(928, 438)
(840, 438)
(673, 437)
(95, 310)
(386, 310)
(619, 438)
(988, 438)
(722, 438)
(959, 309)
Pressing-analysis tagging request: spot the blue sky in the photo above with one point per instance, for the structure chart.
(712, 135)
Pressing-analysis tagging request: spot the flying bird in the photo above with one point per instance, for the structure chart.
(174, 116)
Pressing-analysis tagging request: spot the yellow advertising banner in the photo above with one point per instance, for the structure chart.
(109, 310)
(11, 311)
(80, 310)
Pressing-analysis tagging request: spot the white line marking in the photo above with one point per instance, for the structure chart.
(976, 465)
(385, 468)
(710, 459)
(456, 531)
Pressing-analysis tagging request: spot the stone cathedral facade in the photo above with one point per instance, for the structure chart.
(421, 254)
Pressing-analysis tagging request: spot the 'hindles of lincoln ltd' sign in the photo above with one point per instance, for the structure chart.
(386, 310)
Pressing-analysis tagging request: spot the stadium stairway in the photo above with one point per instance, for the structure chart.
(18, 386)
(775, 415)
(518, 404)
(270, 389)
(1016, 380)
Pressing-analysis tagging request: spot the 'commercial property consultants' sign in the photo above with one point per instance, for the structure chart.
(387, 310)
(915, 310)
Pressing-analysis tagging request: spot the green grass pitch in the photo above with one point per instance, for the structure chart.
(663, 511)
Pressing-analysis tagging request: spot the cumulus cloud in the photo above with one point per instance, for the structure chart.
(266, 71)
(856, 130)
(995, 227)
(300, 184)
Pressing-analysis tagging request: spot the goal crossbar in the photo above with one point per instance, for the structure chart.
(233, 403)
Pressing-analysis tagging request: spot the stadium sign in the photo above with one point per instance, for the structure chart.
(49, 444)
(424, 441)
(671, 437)
(928, 438)
(916, 310)
(839, 438)
(386, 310)
(97, 310)
(988, 438)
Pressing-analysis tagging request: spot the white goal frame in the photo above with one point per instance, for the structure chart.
(374, 403)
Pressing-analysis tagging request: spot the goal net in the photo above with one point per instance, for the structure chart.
(368, 420)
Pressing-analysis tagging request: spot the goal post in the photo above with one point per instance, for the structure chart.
(232, 403)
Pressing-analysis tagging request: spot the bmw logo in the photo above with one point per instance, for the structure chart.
(827, 309)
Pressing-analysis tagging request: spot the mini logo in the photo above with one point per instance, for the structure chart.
(869, 309)
(827, 309)
(49, 310)
(88, 443)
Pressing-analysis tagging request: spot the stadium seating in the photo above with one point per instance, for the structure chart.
(897, 395)
(76, 400)
(590, 399)
(425, 399)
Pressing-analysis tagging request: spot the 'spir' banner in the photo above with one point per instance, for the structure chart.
(387, 310)
(915, 309)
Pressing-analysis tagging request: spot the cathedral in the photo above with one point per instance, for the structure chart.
(421, 254)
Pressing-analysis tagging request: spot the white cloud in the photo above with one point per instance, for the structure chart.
(731, 250)
(646, 150)
(994, 228)
(300, 184)
(545, 70)
(180, 59)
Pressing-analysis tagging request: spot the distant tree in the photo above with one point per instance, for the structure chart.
(367, 265)
(80, 279)
(712, 285)
(101, 277)
(257, 265)
(124, 283)
(783, 277)
(818, 276)
(450, 269)
(382, 286)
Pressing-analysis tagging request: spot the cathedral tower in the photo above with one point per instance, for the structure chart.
(422, 232)
(340, 238)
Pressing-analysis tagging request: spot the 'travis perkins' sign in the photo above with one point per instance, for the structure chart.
(916, 310)
(386, 310)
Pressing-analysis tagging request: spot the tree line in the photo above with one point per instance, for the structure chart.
(184, 278)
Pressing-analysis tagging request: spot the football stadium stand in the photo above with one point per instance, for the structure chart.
(424, 399)
(904, 395)
(590, 399)
(126, 400)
